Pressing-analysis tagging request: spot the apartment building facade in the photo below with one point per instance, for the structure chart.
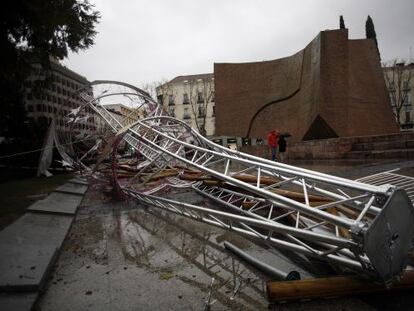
(52, 94)
(191, 99)
(126, 115)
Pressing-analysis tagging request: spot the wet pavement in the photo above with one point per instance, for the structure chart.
(120, 256)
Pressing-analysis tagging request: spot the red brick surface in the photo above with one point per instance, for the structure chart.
(337, 79)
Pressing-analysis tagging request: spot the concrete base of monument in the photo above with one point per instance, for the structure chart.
(393, 146)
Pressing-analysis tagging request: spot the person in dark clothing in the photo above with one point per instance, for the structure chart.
(282, 148)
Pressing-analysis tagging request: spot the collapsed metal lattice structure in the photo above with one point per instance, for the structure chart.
(350, 224)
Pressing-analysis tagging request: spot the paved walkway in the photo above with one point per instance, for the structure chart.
(113, 256)
(31, 244)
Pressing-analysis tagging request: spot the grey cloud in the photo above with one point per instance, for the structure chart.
(141, 41)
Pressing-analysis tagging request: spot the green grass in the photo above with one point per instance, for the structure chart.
(17, 195)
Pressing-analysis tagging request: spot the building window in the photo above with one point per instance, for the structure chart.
(200, 97)
(30, 108)
(201, 112)
(30, 96)
(407, 116)
(185, 98)
(49, 109)
(392, 98)
(39, 107)
(48, 98)
(213, 96)
(407, 100)
(214, 111)
(406, 86)
(186, 115)
(170, 100)
(171, 112)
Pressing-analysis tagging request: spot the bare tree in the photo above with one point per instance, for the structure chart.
(163, 91)
(398, 80)
(151, 87)
(200, 97)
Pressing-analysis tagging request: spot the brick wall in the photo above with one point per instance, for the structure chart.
(396, 146)
(334, 87)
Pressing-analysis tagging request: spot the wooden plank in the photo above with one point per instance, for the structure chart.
(331, 287)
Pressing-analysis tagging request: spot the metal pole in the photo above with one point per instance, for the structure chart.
(262, 266)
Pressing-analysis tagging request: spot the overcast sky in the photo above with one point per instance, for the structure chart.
(150, 40)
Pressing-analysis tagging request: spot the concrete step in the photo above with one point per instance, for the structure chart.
(383, 138)
(57, 202)
(72, 188)
(382, 154)
(28, 248)
(17, 301)
(31, 244)
(77, 180)
(384, 145)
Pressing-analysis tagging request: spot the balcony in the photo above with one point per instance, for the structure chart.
(200, 98)
(185, 99)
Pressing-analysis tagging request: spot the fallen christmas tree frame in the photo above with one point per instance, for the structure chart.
(355, 226)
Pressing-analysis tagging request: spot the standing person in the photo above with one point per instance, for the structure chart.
(282, 147)
(272, 140)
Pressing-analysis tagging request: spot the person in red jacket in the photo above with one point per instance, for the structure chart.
(272, 141)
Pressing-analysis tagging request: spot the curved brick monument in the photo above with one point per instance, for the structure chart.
(334, 87)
